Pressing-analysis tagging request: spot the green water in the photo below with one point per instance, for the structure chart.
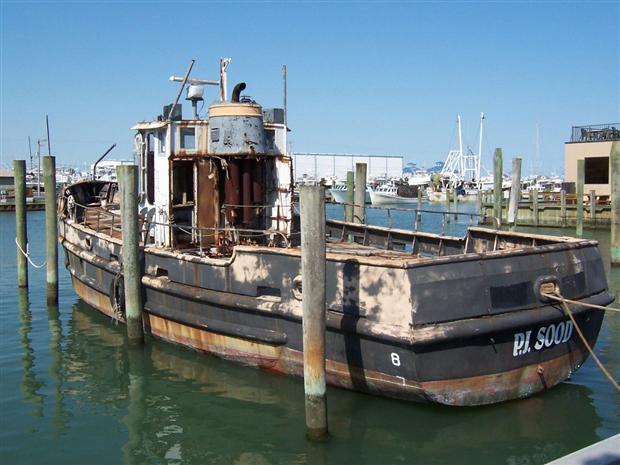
(72, 392)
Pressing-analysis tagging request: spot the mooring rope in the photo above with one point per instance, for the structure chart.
(563, 301)
(583, 304)
(27, 255)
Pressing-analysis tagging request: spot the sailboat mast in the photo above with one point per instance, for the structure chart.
(537, 166)
(461, 156)
(479, 158)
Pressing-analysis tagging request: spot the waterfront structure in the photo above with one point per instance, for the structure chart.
(454, 320)
(335, 166)
(7, 179)
(591, 143)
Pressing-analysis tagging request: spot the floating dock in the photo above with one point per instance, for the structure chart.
(605, 452)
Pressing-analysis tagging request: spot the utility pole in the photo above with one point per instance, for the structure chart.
(39, 167)
(30, 151)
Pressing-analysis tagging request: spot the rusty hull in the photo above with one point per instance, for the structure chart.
(477, 390)
(383, 336)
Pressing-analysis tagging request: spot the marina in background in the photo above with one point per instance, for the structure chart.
(69, 374)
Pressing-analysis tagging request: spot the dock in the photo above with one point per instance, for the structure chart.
(550, 211)
(605, 452)
(32, 204)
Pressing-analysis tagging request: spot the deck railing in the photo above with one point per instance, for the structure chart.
(107, 220)
(596, 133)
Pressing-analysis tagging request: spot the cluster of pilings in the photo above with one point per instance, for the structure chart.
(560, 216)
(313, 254)
(312, 260)
(51, 226)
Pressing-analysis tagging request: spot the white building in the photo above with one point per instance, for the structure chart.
(335, 166)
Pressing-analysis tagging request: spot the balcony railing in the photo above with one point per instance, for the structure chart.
(596, 133)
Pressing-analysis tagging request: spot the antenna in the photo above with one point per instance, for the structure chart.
(189, 70)
(195, 91)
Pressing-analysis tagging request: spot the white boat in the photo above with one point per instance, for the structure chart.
(440, 196)
(388, 194)
(464, 194)
(419, 178)
(339, 192)
(461, 171)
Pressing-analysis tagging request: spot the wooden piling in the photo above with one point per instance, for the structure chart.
(359, 211)
(349, 197)
(51, 228)
(592, 207)
(579, 200)
(563, 208)
(534, 195)
(418, 215)
(128, 186)
(455, 204)
(19, 172)
(497, 185)
(447, 215)
(615, 203)
(313, 303)
(515, 194)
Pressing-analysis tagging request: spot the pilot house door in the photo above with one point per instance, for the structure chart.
(208, 203)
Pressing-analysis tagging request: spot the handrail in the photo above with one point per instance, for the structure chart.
(188, 229)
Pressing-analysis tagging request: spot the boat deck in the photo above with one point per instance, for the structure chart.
(373, 244)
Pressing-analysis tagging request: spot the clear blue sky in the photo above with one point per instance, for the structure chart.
(363, 77)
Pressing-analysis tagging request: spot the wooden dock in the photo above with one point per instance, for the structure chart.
(605, 452)
(549, 211)
(32, 204)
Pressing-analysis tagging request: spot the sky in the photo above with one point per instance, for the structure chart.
(382, 78)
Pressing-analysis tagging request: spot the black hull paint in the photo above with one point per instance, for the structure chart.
(453, 368)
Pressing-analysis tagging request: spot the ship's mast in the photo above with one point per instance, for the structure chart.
(224, 62)
(462, 159)
(285, 108)
(479, 159)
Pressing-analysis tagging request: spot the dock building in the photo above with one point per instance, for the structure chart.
(593, 145)
(335, 166)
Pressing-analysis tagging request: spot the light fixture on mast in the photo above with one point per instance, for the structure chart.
(195, 91)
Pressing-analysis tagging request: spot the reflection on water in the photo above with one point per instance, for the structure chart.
(30, 385)
(176, 399)
(60, 415)
(79, 394)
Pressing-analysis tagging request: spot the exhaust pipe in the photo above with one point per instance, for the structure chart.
(236, 92)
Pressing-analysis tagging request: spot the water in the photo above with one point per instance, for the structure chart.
(73, 393)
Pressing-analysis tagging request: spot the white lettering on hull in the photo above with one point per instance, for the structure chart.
(546, 336)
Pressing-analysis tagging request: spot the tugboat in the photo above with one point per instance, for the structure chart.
(454, 320)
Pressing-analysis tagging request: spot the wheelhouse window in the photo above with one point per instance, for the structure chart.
(596, 170)
(162, 143)
(188, 138)
(150, 168)
(270, 136)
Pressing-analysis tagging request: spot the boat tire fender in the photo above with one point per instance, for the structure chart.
(297, 288)
(117, 294)
(547, 284)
